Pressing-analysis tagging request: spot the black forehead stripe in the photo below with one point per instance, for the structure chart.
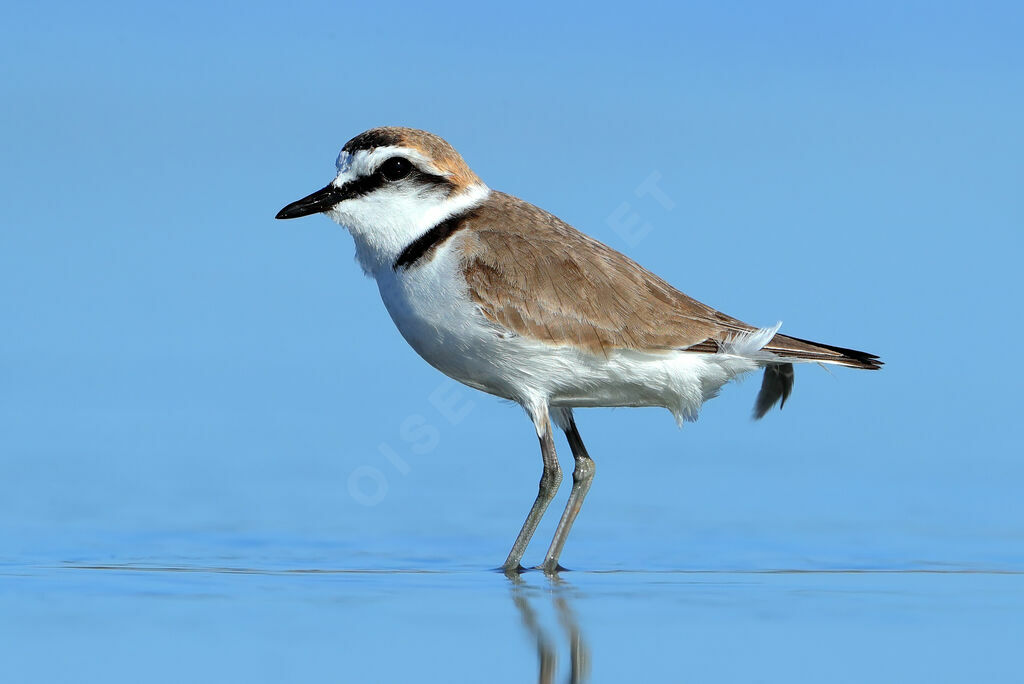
(422, 246)
(371, 139)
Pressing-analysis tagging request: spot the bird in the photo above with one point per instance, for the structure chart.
(508, 299)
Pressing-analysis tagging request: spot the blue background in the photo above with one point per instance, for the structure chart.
(198, 402)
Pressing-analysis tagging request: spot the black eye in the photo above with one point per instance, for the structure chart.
(396, 168)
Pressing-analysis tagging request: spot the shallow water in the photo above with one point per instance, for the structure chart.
(260, 610)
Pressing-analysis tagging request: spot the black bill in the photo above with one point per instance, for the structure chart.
(318, 202)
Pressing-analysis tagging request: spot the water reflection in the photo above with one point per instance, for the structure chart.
(530, 601)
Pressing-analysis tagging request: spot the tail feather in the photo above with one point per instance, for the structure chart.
(778, 377)
(776, 386)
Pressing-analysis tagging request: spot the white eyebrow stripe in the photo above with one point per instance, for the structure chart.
(379, 155)
(365, 162)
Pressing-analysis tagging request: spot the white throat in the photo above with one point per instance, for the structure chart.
(384, 224)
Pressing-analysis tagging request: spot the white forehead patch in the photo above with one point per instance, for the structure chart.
(344, 162)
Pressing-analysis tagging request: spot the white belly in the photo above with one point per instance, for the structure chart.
(432, 310)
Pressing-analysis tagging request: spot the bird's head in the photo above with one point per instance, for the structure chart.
(393, 184)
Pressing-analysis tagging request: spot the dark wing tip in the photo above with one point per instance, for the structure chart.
(854, 357)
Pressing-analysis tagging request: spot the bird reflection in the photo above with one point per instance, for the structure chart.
(527, 599)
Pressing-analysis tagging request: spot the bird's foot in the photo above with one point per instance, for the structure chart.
(550, 567)
(512, 571)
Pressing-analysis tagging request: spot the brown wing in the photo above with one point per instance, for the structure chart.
(533, 274)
